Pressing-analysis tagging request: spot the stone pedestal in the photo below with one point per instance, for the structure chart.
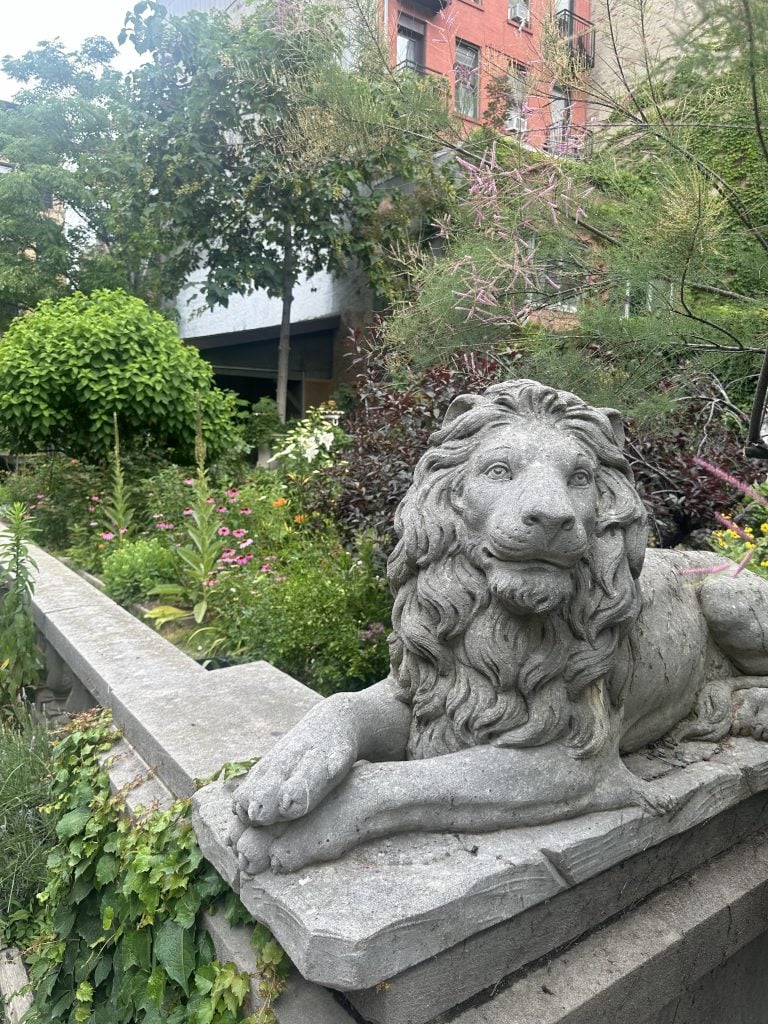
(410, 927)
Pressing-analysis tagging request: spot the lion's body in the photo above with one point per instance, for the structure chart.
(533, 638)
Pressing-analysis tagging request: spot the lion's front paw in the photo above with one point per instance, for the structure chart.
(292, 779)
(254, 846)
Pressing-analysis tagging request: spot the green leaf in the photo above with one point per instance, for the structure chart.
(156, 986)
(175, 951)
(103, 969)
(106, 869)
(73, 823)
(84, 993)
(136, 948)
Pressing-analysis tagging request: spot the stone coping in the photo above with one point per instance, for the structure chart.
(184, 721)
(397, 902)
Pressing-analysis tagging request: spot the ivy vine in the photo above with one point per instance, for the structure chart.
(117, 937)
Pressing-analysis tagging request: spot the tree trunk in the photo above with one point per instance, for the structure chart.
(284, 347)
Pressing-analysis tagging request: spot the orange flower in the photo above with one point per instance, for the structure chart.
(279, 502)
(299, 519)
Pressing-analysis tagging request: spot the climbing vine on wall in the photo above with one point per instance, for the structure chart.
(117, 937)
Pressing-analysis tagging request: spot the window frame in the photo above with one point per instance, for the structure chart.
(471, 87)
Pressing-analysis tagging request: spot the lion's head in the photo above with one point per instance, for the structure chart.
(521, 540)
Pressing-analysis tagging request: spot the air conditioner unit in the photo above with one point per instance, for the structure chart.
(520, 12)
(517, 123)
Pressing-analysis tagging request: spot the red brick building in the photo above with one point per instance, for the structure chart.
(490, 49)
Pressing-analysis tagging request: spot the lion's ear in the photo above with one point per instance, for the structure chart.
(461, 405)
(617, 425)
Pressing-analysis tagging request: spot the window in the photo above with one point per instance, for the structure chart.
(411, 34)
(517, 91)
(466, 70)
(560, 120)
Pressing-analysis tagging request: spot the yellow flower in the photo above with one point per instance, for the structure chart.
(764, 527)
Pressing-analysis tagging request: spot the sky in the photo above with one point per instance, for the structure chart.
(24, 23)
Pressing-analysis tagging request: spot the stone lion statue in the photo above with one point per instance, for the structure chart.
(534, 640)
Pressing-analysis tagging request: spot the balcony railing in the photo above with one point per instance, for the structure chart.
(431, 6)
(417, 68)
(579, 36)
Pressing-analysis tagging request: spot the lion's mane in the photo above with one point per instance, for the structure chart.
(472, 671)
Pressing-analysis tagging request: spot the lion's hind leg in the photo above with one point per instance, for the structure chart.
(736, 612)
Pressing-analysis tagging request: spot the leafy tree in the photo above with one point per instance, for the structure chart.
(268, 151)
(69, 366)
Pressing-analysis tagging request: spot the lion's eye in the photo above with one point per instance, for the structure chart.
(498, 471)
(580, 478)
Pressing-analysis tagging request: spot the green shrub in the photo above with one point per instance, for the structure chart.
(133, 569)
(26, 836)
(317, 611)
(63, 494)
(68, 366)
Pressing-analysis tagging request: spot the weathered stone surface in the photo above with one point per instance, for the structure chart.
(129, 773)
(627, 972)
(735, 992)
(400, 901)
(480, 962)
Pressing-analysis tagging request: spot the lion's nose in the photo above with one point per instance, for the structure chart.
(550, 520)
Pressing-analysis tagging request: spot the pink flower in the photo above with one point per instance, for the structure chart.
(165, 526)
(91, 508)
(210, 583)
(190, 481)
(266, 568)
(239, 534)
(222, 508)
(209, 501)
(187, 512)
(39, 497)
(245, 511)
(232, 494)
(246, 543)
(157, 515)
(94, 497)
(123, 529)
(107, 535)
(223, 531)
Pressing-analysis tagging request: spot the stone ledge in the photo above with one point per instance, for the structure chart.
(395, 903)
(628, 971)
(183, 721)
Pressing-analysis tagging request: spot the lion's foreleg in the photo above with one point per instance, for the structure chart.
(481, 789)
(306, 764)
